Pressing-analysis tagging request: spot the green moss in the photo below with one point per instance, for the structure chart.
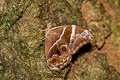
(115, 35)
(13, 13)
(115, 28)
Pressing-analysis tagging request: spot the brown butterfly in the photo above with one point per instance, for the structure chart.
(62, 42)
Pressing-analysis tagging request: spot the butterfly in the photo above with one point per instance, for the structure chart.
(62, 42)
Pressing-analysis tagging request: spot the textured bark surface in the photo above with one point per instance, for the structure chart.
(22, 53)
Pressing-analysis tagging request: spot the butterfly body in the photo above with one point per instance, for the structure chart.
(62, 42)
